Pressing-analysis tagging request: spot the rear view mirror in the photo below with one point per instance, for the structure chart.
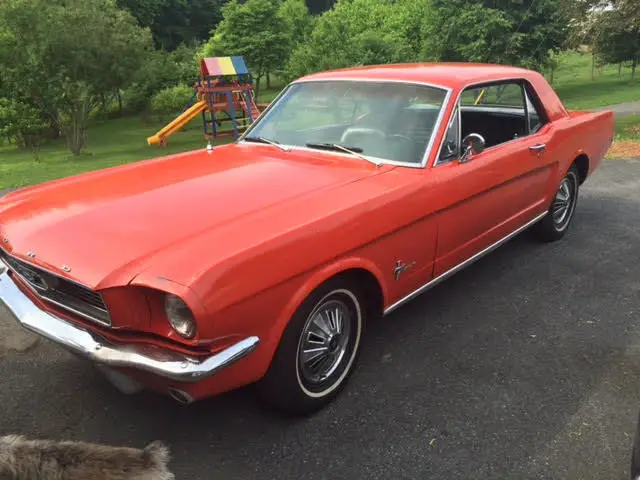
(472, 144)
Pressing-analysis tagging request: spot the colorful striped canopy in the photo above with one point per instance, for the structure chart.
(218, 66)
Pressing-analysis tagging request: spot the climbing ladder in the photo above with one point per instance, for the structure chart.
(250, 109)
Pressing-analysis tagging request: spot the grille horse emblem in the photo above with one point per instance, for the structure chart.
(36, 280)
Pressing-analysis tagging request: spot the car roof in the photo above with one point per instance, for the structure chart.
(450, 75)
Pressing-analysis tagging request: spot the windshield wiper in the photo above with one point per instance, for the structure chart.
(356, 151)
(266, 140)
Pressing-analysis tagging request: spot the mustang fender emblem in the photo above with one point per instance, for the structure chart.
(400, 268)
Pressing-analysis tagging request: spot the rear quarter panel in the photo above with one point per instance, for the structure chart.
(596, 131)
(573, 133)
(581, 133)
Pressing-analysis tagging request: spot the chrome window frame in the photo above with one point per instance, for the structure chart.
(541, 115)
(386, 161)
(521, 81)
(456, 109)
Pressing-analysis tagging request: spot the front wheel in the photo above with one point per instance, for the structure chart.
(318, 350)
(556, 223)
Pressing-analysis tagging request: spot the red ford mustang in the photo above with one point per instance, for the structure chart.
(262, 261)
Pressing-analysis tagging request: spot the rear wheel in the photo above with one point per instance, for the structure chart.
(556, 223)
(318, 350)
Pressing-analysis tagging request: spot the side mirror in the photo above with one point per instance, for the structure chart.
(472, 144)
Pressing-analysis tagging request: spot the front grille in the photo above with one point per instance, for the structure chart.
(60, 291)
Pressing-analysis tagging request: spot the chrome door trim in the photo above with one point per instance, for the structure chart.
(462, 265)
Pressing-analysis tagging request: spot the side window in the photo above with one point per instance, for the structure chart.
(451, 144)
(495, 111)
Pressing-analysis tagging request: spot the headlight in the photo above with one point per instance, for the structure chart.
(179, 316)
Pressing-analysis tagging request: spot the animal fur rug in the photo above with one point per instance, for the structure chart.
(24, 459)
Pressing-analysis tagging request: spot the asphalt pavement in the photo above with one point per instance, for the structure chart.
(623, 109)
(525, 365)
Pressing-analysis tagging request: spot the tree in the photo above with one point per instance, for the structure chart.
(255, 31)
(616, 33)
(22, 46)
(512, 32)
(160, 70)
(64, 56)
(580, 21)
(614, 44)
(173, 22)
(299, 24)
(361, 32)
(298, 20)
(22, 124)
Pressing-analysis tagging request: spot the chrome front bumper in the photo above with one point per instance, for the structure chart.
(163, 362)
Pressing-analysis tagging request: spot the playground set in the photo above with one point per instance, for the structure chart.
(224, 93)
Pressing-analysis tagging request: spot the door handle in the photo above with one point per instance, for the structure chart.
(538, 148)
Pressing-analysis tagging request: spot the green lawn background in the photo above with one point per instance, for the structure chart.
(123, 140)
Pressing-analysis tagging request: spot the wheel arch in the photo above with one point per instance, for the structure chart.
(582, 164)
(358, 270)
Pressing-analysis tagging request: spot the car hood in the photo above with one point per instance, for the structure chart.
(104, 225)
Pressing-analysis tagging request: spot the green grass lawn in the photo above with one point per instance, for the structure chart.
(627, 138)
(628, 128)
(113, 142)
(572, 81)
(119, 141)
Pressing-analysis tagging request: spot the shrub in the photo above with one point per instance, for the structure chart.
(22, 124)
(171, 100)
(161, 70)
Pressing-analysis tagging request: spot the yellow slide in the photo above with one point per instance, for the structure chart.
(178, 123)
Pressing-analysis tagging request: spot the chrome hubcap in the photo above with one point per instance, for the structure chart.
(563, 203)
(325, 339)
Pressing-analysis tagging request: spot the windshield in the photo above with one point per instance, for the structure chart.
(388, 121)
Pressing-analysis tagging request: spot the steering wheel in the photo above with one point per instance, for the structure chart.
(361, 131)
(403, 137)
